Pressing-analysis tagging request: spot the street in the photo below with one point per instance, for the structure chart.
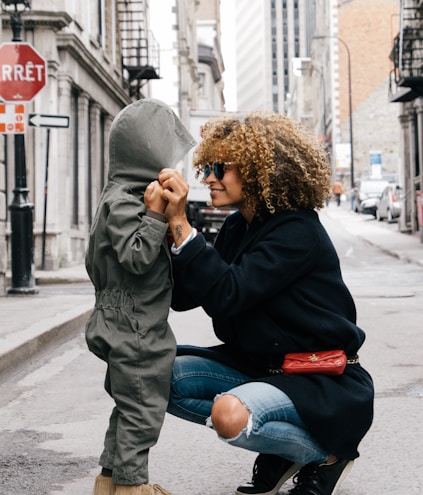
(53, 414)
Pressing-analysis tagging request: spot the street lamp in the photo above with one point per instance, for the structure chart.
(21, 209)
(349, 101)
(15, 15)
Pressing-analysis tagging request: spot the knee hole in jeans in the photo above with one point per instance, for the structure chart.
(229, 416)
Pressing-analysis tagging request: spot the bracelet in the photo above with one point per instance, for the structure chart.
(177, 250)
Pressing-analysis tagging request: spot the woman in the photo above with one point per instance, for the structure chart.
(272, 285)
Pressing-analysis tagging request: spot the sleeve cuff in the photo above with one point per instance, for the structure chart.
(176, 250)
(161, 217)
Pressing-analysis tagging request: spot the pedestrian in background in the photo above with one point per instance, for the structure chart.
(272, 285)
(128, 262)
(337, 189)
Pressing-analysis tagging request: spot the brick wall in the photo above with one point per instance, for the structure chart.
(368, 28)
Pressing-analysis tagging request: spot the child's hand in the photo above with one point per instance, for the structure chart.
(175, 191)
(153, 197)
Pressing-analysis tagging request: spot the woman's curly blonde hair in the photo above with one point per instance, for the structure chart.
(282, 165)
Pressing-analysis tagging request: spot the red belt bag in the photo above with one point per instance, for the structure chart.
(323, 362)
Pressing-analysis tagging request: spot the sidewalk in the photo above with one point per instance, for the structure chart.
(382, 235)
(30, 323)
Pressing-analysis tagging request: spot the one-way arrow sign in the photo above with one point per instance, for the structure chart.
(39, 120)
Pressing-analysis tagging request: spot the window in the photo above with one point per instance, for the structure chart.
(100, 22)
(90, 169)
(102, 150)
(416, 144)
(75, 161)
(202, 84)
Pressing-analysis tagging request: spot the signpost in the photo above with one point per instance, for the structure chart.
(39, 120)
(22, 76)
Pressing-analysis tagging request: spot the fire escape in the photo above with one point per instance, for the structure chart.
(140, 50)
(407, 53)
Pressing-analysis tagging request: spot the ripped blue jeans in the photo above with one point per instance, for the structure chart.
(274, 426)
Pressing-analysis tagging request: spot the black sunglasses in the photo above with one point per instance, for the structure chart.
(218, 168)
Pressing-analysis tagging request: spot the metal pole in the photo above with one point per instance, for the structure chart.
(43, 256)
(349, 105)
(21, 209)
(350, 111)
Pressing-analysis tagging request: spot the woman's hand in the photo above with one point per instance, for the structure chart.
(175, 192)
(153, 197)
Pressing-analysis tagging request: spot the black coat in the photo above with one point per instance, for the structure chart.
(276, 287)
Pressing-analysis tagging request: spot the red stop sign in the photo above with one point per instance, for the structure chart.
(22, 72)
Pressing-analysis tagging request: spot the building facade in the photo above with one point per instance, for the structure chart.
(351, 110)
(367, 29)
(406, 91)
(210, 59)
(101, 55)
(85, 82)
(323, 62)
(270, 36)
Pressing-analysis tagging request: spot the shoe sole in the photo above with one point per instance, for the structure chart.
(286, 475)
(346, 470)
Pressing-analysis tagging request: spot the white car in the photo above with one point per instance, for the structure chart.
(389, 204)
(369, 206)
(368, 189)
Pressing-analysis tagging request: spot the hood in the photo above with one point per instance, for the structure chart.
(145, 137)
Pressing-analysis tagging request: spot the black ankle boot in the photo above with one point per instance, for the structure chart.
(320, 479)
(269, 473)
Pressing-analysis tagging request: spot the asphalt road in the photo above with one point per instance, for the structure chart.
(53, 413)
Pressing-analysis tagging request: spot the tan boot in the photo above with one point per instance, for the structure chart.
(104, 485)
(141, 490)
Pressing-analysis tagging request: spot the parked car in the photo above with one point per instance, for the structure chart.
(366, 196)
(389, 204)
(369, 206)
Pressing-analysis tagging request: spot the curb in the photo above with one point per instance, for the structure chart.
(71, 275)
(404, 247)
(394, 253)
(32, 343)
(55, 280)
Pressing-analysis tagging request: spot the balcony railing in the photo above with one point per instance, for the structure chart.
(140, 50)
(407, 51)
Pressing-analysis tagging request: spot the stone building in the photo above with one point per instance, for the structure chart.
(298, 58)
(351, 54)
(406, 90)
(270, 35)
(100, 56)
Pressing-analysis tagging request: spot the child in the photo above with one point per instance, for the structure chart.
(129, 264)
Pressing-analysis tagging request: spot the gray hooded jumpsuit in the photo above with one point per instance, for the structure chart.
(129, 264)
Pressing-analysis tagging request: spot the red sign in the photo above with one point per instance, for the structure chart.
(22, 72)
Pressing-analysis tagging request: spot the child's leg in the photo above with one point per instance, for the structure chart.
(139, 369)
(107, 458)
